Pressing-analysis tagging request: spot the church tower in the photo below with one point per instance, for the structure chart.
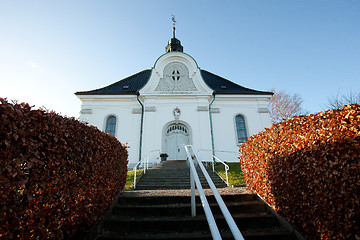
(175, 102)
(174, 44)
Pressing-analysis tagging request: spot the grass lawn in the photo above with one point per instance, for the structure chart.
(130, 179)
(235, 175)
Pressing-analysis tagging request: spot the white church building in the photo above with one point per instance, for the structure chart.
(176, 102)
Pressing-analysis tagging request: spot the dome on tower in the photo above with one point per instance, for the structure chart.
(174, 44)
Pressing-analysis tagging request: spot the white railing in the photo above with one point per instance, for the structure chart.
(222, 162)
(226, 169)
(145, 162)
(209, 216)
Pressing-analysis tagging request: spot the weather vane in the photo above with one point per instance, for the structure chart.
(174, 21)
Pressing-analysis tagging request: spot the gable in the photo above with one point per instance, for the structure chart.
(176, 73)
(176, 79)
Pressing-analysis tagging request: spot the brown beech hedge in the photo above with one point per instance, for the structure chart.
(58, 175)
(308, 169)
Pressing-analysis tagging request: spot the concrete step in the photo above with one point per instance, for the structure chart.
(270, 234)
(176, 184)
(173, 181)
(184, 209)
(143, 215)
(175, 176)
(153, 175)
(185, 224)
(156, 179)
(163, 187)
(158, 174)
(168, 178)
(151, 200)
(169, 187)
(168, 217)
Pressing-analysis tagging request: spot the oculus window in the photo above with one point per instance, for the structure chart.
(241, 131)
(110, 125)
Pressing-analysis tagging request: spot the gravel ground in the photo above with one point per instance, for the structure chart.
(183, 192)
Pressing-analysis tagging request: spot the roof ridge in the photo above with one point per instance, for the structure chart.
(223, 91)
(127, 78)
(118, 83)
(133, 84)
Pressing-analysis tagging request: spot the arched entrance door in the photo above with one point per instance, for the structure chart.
(175, 136)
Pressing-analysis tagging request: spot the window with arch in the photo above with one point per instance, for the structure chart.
(241, 132)
(110, 125)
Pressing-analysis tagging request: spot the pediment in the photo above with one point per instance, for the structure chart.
(175, 73)
(175, 79)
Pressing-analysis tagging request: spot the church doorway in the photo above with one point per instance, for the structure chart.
(175, 136)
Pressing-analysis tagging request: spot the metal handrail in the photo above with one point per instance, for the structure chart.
(135, 169)
(226, 169)
(146, 165)
(225, 165)
(194, 177)
(209, 216)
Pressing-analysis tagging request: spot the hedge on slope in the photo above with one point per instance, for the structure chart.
(308, 169)
(58, 175)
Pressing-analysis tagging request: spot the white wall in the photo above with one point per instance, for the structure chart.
(127, 123)
(159, 113)
(193, 103)
(225, 139)
(156, 122)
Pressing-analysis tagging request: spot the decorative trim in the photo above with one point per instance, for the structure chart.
(263, 110)
(175, 79)
(203, 108)
(215, 110)
(150, 109)
(136, 111)
(86, 111)
(177, 113)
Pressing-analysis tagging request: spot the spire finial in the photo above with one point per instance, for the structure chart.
(174, 45)
(174, 21)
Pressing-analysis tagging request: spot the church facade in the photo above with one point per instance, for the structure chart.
(174, 103)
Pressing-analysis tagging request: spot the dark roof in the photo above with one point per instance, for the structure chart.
(131, 85)
(223, 86)
(128, 86)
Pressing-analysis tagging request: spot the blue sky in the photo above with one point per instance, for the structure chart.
(51, 49)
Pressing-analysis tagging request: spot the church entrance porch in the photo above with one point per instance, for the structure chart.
(175, 136)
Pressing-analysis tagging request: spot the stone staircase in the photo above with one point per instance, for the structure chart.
(137, 216)
(173, 175)
(166, 214)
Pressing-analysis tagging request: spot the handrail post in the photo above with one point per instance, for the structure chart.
(226, 167)
(226, 172)
(193, 204)
(135, 177)
(230, 221)
(146, 163)
(145, 166)
(209, 216)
